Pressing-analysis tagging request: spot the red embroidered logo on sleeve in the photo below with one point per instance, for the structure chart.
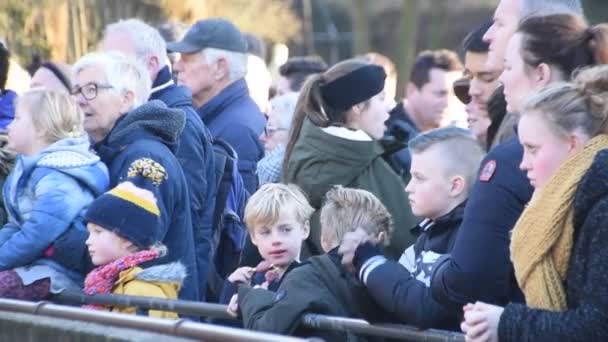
(487, 171)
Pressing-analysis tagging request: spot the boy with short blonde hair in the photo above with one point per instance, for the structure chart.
(322, 285)
(444, 166)
(277, 217)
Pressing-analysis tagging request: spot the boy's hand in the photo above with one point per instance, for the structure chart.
(349, 245)
(233, 306)
(242, 275)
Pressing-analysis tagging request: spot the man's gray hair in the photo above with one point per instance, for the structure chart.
(460, 151)
(237, 62)
(548, 7)
(146, 39)
(123, 73)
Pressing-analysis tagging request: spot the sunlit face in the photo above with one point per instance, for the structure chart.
(506, 19)
(478, 121)
(483, 80)
(373, 117)
(194, 72)
(23, 136)
(544, 150)
(517, 79)
(431, 99)
(101, 112)
(274, 134)
(281, 242)
(105, 246)
(429, 187)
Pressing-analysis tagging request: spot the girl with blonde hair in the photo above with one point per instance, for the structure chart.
(55, 178)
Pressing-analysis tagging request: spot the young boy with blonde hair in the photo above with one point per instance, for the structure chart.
(444, 166)
(321, 285)
(277, 218)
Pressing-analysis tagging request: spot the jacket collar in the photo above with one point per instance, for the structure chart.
(211, 110)
(163, 80)
(444, 222)
(152, 120)
(398, 113)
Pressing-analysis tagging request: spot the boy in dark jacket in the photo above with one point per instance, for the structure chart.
(277, 216)
(322, 285)
(444, 166)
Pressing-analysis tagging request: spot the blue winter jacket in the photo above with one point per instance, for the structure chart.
(44, 195)
(233, 117)
(7, 107)
(151, 131)
(479, 267)
(195, 154)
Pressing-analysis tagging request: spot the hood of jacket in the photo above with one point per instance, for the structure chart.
(152, 120)
(73, 157)
(319, 158)
(168, 277)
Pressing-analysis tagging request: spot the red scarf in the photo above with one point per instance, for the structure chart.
(102, 279)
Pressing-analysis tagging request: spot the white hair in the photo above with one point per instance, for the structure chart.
(237, 62)
(549, 7)
(147, 41)
(123, 73)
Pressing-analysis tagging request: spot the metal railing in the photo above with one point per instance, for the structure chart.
(314, 321)
(181, 328)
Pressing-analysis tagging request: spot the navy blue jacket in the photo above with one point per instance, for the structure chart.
(403, 292)
(233, 117)
(399, 128)
(480, 268)
(195, 154)
(7, 107)
(151, 131)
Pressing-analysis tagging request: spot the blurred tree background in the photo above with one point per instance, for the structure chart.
(64, 30)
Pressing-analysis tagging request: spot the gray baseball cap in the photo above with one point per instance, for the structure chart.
(211, 33)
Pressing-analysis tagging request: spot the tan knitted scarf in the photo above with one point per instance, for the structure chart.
(543, 236)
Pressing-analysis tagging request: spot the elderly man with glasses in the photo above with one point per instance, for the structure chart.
(275, 137)
(112, 90)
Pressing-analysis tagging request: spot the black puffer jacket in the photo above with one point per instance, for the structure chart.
(587, 280)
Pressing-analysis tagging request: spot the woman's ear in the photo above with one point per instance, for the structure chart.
(457, 186)
(576, 142)
(543, 75)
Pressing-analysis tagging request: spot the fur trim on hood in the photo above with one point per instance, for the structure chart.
(167, 273)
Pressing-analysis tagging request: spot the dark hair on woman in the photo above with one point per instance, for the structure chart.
(5, 61)
(297, 69)
(578, 105)
(474, 42)
(563, 41)
(312, 106)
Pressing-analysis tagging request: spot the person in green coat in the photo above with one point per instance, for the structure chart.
(339, 119)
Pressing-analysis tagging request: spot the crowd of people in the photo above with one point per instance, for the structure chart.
(178, 169)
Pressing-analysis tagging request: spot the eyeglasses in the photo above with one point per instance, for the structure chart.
(90, 91)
